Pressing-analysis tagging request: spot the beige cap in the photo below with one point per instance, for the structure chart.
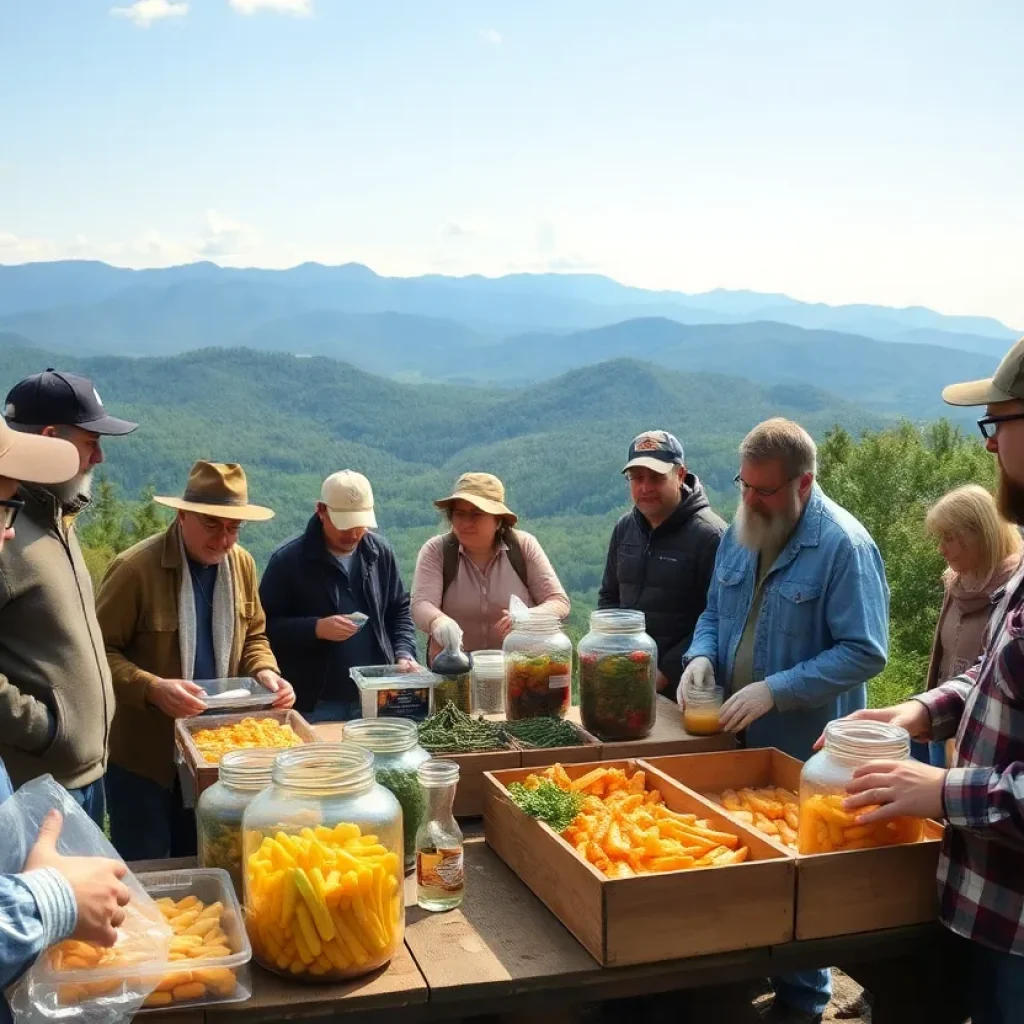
(1005, 385)
(33, 459)
(349, 500)
(485, 491)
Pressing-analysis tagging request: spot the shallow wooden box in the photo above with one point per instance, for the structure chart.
(201, 771)
(651, 917)
(836, 893)
(541, 757)
(469, 794)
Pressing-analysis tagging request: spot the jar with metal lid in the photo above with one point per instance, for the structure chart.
(825, 827)
(241, 775)
(396, 756)
(538, 668)
(618, 675)
(323, 850)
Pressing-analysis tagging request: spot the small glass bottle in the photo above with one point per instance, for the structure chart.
(440, 877)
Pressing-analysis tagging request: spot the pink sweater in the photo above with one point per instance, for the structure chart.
(476, 600)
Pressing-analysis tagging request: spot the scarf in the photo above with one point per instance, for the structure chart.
(223, 618)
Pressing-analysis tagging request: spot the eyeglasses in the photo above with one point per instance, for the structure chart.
(761, 492)
(9, 510)
(988, 425)
(466, 516)
(215, 527)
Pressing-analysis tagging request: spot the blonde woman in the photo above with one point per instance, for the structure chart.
(981, 550)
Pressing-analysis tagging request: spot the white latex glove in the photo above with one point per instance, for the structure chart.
(700, 674)
(447, 632)
(745, 707)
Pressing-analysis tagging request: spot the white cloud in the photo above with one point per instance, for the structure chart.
(491, 35)
(15, 249)
(298, 8)
(144, 12)
(227, 237)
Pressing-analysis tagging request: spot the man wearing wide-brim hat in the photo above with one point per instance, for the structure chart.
(179, 606)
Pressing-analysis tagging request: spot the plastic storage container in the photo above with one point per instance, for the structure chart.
(237, 694)
(538, 668)
(618, 676)
(396, 756)
(241, 775)
(488, 682)
(454, 680)
(700, 717)
(323, 856)
(825, 827)
(387, 692)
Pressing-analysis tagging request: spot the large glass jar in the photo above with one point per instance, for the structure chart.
(323, 866)
(618, 676)
(396, 756)
(241, 775)
(538, 668)
(825, 826)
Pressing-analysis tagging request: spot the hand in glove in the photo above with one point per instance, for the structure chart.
(698, 674)
(447, 632)
(745, 706)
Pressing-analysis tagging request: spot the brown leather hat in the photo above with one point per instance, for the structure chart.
(218, 489)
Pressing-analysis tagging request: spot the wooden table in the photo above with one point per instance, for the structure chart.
(503, 953)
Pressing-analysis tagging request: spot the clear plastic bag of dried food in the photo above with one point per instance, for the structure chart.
(73, 981)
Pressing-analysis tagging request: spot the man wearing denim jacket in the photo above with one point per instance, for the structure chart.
(796, 623)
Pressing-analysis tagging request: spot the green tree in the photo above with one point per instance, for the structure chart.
(111, 525)
(888, 480)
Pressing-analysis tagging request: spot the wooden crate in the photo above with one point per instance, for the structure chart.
(836, 893)
(202, 773)
(650, 917)
(469, 795)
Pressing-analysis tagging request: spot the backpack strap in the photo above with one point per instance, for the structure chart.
(450, 558)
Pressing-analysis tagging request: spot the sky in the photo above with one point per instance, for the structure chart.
(869, 152)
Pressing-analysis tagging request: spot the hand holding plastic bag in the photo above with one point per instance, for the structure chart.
(78, 981)
(447, 632)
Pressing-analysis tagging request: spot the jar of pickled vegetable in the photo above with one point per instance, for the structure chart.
(618, 676)
(703, 704)
(538, 668)
(454, 669)
(323, 850)
(825, 827)
(241, 775)
(396, 756)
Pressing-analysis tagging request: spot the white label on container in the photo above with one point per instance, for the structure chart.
(558, 682)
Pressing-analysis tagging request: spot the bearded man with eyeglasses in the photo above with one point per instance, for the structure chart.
(796, 623)
(178, 607)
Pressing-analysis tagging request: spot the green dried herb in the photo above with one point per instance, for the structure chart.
(545, 732)
(548, 802)
(405, 785)
(452, 731)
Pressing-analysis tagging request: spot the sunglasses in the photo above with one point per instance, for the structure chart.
(9, 510)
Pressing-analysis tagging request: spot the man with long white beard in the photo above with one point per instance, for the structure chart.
(57, 708)
(796, 623)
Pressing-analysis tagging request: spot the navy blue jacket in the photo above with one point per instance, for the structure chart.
(298, 588)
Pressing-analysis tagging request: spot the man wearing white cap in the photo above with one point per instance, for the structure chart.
(335, 601)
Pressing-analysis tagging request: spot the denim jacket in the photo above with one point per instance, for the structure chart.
(37, 909)
(823, 628)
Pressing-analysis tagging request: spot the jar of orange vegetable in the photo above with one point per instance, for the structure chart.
(825, 827)
(322, 848)
(538, 668)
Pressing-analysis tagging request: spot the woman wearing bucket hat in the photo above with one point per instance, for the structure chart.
(465, 578)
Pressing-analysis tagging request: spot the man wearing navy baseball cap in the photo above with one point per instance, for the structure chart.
(47, 604)
(663, 550)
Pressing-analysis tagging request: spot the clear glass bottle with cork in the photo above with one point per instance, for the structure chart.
(440, 873)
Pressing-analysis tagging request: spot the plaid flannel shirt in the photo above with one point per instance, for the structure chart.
(981, 863)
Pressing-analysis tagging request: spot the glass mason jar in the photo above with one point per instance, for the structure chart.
(618, 676)
(824, 826)
(396, 756)
(322, 848)
(488, 682)
(242, 774)
(538, 668)
(454, 672)
(703, 704)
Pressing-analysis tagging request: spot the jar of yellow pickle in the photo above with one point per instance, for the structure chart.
(825, 827)
(700, 716)
(240, 777)
(322, 848)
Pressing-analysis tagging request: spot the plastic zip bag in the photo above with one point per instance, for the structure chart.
(107, 992)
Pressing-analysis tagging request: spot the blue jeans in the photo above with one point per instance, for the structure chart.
(93, 800)
(148, 822)
(932, 752)
(810, 991)
(334, 711)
